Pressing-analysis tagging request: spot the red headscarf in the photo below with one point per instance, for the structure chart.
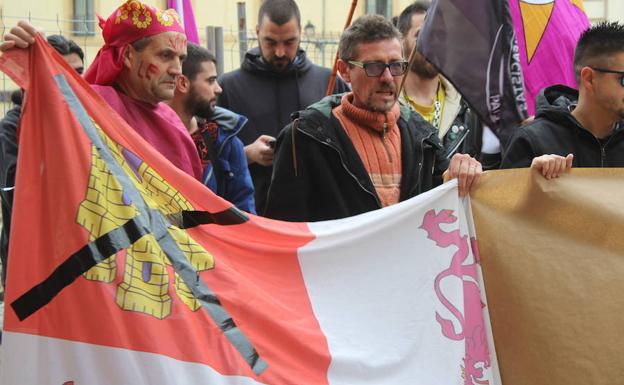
(130, 22)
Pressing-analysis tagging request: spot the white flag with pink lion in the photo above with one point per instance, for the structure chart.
(399, 294)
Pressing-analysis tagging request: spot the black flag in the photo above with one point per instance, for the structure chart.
(473, 44)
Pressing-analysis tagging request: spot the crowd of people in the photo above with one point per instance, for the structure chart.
(267, 138)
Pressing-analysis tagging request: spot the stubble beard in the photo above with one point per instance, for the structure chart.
(422, 68)
(382, 106)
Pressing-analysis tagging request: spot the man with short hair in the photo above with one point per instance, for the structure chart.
(275, 80)
(361, 151)
(434, 97)
(213, 129)
(581, 128)
(74, 56)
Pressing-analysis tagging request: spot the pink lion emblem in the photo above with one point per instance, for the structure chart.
(476, 357)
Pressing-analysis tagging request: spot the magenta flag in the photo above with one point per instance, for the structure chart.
(185, 10)
(547, 32)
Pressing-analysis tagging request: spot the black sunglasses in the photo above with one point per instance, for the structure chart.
(376, 68)
(606, 71)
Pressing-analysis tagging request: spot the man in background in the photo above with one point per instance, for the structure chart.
(213, 129)
(275, 80)
(434, 97)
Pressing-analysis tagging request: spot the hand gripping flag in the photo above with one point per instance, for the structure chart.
(472, 43)
(547, 32)
(125, 270)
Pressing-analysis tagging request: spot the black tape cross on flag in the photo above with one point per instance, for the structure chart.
(473, 44)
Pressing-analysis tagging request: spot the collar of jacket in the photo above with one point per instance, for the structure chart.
(452, 105)
(254, 63)
(227, 120)
(318, 123)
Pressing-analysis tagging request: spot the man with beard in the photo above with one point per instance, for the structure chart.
(213, 129)
(583, 128)
(361, 151)
(275, 80)
(433, 96)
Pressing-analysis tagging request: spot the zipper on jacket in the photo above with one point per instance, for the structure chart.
(344, 166)
(603, 151)
(383, 141)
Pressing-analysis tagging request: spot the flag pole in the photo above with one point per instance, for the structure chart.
(332, 78)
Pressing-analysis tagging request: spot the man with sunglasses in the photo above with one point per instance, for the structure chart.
(579, 128)
(357, 152)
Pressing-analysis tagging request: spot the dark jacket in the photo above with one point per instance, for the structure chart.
(466, 137)
(267, 98)
(556, 131)
(8, 162)
(230, 179)
(319, 175)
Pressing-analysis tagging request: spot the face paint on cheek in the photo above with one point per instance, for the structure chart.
(178, 42)
(152, 70)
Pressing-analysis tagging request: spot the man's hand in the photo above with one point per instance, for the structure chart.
(552, 166)
(260, 151)
(466, 169)
(20, 36)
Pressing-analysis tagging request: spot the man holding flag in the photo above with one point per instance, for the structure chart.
(587, 133)
(361, 151)
(135, 72)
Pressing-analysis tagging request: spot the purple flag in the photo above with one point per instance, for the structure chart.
(185, 10)
(472, 43)
(547, 32)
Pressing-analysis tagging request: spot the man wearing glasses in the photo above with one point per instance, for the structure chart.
(587, 133)
(360, 151)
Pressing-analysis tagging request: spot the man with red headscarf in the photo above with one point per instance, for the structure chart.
(135, 71)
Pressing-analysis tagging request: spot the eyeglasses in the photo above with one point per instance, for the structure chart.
(606, 71)
(376, 68)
